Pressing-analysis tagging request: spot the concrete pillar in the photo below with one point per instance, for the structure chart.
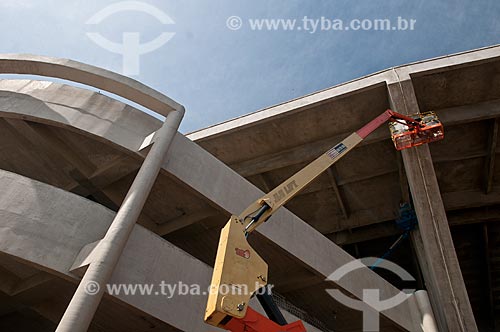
(424, 306)
(436, 253)
(83, 305)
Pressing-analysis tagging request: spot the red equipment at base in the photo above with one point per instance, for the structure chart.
(406, 134)
(255, 322)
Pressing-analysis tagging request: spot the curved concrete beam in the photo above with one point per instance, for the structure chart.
(47, 227)
(89, 113)
(89, 75)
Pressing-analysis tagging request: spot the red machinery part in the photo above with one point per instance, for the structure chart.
(404, 136)
(407, 131)
(255, 322)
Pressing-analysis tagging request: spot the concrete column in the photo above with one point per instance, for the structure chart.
(424, 306)
(416, 239)
(83, 305)
(437, 253)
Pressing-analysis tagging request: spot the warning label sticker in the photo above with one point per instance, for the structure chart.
(336, 150)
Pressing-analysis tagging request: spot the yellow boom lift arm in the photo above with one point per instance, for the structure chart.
(239, 271)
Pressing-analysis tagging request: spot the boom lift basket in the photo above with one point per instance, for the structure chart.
(406, 136)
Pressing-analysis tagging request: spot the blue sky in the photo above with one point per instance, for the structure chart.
(218, 73)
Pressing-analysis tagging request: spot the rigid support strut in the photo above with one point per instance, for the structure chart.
(81, 309)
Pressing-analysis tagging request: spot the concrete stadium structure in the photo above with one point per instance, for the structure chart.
(68, 156)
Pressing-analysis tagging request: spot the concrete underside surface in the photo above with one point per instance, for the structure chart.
(356, 207)
(46, 136)
(92, 146)
(43, 231)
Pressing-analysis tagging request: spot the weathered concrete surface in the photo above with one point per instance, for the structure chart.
(283, 229)
(47, 227)
(283, 138)
(225, 189)
(83, 306)
(462, 88)
(65, 106)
